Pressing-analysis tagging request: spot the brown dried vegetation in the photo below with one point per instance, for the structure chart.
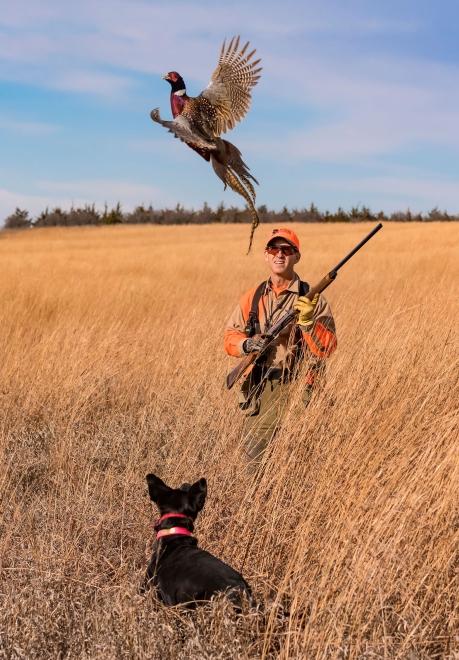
(112, 367)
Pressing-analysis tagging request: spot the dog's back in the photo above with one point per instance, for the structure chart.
(188, 574)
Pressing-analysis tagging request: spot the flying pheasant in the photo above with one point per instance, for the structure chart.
(199, 121)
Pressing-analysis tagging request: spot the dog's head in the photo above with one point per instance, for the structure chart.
(188, 499)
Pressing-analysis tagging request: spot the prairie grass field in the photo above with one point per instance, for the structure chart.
(113, 366)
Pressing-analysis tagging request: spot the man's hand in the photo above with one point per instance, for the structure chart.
(305, 309)
(253, 344)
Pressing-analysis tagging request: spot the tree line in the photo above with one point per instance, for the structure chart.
(89, 215)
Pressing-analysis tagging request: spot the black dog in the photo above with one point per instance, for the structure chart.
(182, 572)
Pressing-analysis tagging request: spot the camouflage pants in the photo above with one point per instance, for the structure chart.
(264, 419)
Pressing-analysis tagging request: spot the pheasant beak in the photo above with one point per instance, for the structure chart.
(165, 77)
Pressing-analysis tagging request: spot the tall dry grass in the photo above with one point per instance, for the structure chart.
(112, 366)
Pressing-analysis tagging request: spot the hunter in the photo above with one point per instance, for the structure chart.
(312, 338)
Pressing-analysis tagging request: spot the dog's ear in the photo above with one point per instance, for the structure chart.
(156, 487)
(186, 487)
(197, 495)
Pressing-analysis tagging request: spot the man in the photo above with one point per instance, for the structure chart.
(312, 338)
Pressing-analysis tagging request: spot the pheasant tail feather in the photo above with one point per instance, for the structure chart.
(238, 187)
(231, 169)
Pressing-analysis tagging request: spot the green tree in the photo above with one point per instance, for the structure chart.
(18, 220)
(114, 216)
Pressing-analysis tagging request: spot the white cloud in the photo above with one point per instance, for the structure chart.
(363, 109)
(22, 13)
(92, 82)
(27, 127)
(10, 200)
(99, 191)
(418, 193)
(65, 194)
(148, 37)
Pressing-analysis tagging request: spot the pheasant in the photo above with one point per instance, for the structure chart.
(199, 121)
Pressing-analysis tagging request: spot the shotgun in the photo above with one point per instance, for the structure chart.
(244, 364)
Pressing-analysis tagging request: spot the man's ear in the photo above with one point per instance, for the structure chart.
(197, 495)
(155, 487)
(298, 257)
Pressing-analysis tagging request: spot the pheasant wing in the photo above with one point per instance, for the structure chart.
(181, 128)
(229, 91)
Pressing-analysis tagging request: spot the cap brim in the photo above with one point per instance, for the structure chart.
(275, 238)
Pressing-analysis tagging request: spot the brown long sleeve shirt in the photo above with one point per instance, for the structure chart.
(319, 340)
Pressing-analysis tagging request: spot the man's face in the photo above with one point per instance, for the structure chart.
(281, 257)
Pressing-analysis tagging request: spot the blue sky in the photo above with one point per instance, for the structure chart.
(358, 102)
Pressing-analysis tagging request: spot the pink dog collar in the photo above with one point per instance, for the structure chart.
(183, 531)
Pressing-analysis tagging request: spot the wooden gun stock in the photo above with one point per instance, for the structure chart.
(242, 367)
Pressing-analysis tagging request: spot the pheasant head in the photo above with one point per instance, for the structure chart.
(176, 81)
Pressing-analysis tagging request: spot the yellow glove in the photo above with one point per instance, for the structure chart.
(305, 309)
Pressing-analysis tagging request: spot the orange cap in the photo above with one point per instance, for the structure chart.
(288, 234)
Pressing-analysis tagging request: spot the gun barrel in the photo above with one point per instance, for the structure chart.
(357, 247)
(281, 323)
